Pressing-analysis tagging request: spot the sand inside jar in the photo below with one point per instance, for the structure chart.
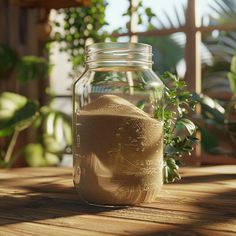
(120, 153)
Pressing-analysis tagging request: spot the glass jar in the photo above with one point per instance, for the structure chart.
(118, 127)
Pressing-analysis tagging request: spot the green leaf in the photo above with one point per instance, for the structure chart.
(67, 133)
(36, 156)
(233, 65)
(170, 171)
(141, 104)
(79, 25)
(15, 112)
(32, 68)
(51, 159)
(140, 21)
(166, 52)
(171, 163)
(210, 108)
(23, 117)
(232, 82)
(6, 114)
(148, 12)
(57, 131)
(6, 132)
(208, 140)
(186, 124)
(9, 104)
(52, 145)
(8, 60)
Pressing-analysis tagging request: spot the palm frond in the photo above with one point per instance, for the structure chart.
(224, 9)
(175, 20)
(226, 6)
(169, 20)
(177, 16)
(228, 41)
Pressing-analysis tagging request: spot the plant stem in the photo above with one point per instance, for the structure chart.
(11, 146)
(14, 158)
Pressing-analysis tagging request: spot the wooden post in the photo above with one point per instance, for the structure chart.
(193, 61)
(133, 20)
(193, 50)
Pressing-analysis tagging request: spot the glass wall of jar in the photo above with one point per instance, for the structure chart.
(118, 128)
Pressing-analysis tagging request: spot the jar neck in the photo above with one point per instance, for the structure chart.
(116, 55)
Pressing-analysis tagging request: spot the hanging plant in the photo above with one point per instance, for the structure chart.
(8, 60)
(79, 25)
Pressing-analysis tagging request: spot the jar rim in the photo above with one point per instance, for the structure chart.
(118, 45)
(120, 54)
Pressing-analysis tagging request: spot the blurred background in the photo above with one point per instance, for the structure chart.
(42, 50)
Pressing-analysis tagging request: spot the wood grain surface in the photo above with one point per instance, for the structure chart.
(42, 201)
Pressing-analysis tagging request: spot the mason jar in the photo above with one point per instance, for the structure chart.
(118, 127)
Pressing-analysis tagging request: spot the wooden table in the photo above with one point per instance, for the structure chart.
(42, 201)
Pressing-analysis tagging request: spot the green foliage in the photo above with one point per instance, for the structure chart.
(166, 52)
(26, 68)
(232, 75)
(56, 131)
(36, 156)
(211, 119)
(222, 48)
(230, 119)
(145, 17)
(9, 104)
(211, 109)
(18, 113)
(225, 10)
(209, 141)
(233, 65)
(55, 140)
(22, 118)
(214, 122)
(171, 170)
(32, 68)
(81, 24)
(179, 132)
(8, 60)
